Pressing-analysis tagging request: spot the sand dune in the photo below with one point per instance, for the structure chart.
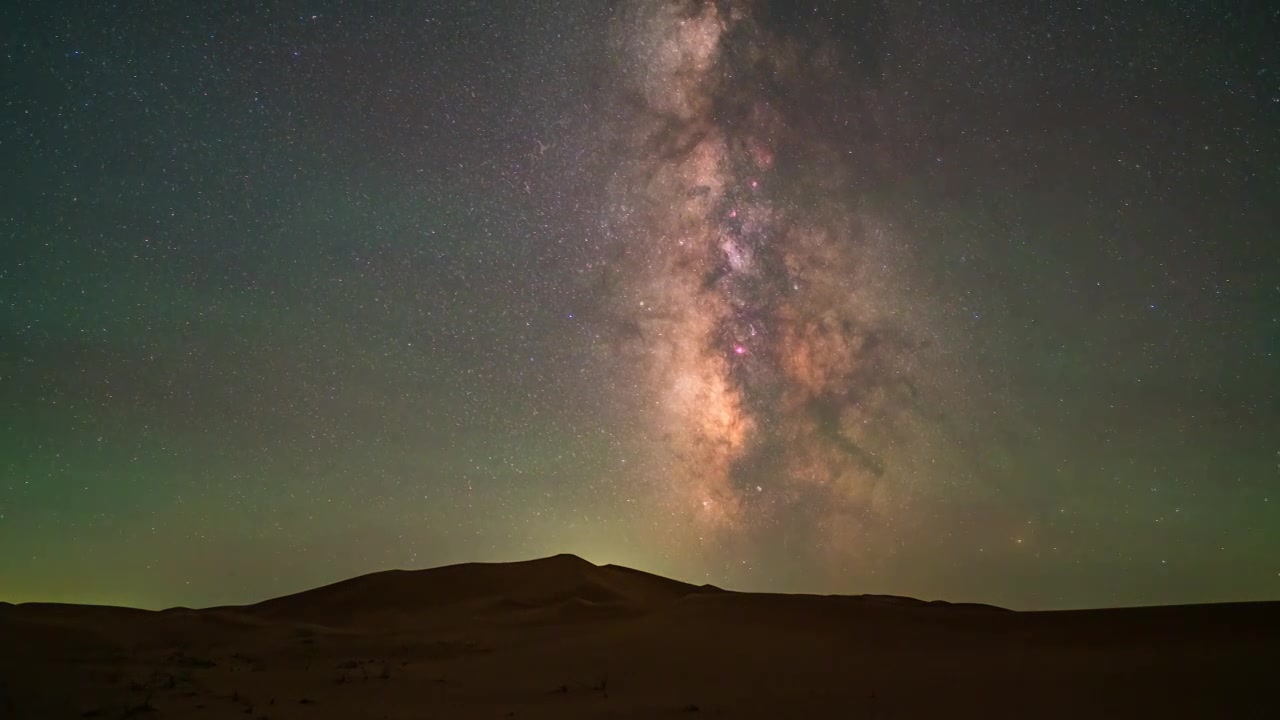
(560, 637)
(476, 590)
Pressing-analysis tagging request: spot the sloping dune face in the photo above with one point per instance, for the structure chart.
(478, 589)
(562, 638)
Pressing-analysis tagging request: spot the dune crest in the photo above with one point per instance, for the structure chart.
(560, 637)
(560, 580)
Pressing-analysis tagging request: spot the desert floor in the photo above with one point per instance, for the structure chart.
(562, 638)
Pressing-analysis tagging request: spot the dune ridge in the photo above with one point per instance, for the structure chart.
(558, 581)
(560, 637)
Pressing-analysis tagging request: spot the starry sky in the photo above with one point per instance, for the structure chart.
(973, 301)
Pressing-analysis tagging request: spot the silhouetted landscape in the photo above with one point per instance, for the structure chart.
(961, 301)
(560, 637)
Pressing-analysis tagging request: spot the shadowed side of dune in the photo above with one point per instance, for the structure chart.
(559, 586)
(560, 637)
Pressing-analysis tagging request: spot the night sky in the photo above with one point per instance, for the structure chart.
(963, 300)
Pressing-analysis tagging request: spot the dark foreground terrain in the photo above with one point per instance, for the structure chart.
(562, 638)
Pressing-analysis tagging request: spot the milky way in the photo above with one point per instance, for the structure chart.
(780, 379)
(954, 300)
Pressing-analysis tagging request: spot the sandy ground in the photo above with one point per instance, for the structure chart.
(562, 638)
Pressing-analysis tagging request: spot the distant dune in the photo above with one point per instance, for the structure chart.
(479, 590)
(562, 638)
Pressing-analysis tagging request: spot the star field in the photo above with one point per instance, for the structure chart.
(965, 302)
